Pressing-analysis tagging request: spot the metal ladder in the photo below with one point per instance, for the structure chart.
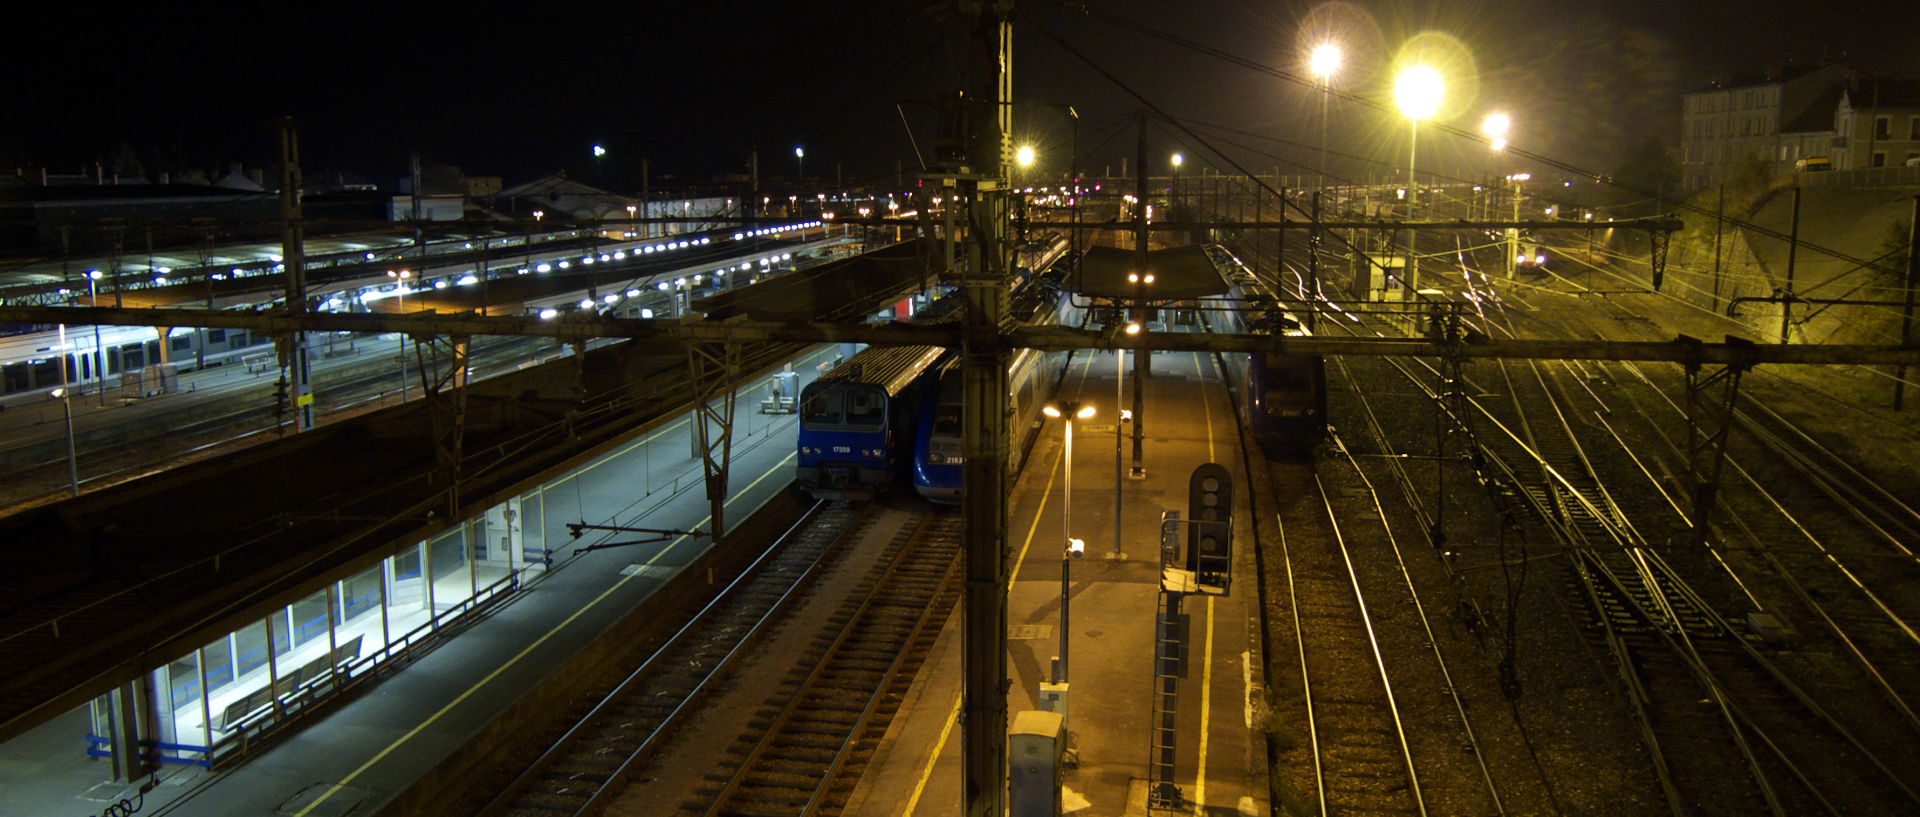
(1169, 648)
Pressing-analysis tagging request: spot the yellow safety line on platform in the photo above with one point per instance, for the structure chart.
(926, 773)
(1206, 662)
(522, 654)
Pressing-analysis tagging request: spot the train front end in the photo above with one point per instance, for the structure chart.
(846, 445)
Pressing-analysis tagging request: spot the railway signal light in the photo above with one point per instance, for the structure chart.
(1210, 529)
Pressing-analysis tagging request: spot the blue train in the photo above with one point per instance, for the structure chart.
(892, 416)
(1282, 397)
(857, 422)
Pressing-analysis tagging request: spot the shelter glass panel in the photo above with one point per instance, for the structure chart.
(452, 569)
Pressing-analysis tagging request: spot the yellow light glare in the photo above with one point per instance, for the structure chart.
(1133, 328)
(1325, 60)
(1418, 92)
(1050, 411)
(1496, 125)
(1084, 412)
(1178, 160)
(1024, 156)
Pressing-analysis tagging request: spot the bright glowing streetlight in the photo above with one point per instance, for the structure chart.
(1024, 156)
(1073, 548)
(1417, 92)
(800, 161)
(1495, 128)
(1325, 60)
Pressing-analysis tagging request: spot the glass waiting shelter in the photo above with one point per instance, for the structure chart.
(210, 704)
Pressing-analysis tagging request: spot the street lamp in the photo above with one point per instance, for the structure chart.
(1069, 411)
(99, 354)
(799, 162)
(1417, 92)
(402, 276)
(1513, 233)
(1119, 433)
(1325, 60)
(1495, 127)
(73, 461)
(1178, 160)
(633, 216)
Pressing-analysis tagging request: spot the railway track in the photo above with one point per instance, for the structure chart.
(1687, 672)
(589, 761)
(1361, 758)
(807, 744)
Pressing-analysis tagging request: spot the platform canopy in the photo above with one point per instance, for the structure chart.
(1179, 273)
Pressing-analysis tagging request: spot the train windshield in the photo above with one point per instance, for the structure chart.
(946, 420)
(821, 408)
(866, 408)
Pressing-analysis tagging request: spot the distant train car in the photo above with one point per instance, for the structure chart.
(31, 360)
(1282, 397)
(857, 421)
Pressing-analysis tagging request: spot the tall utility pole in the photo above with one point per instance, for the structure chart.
(985, 116)
(1786, 294)
(1906, 309)
(293, 256)
(1143, 359)
(419, 237)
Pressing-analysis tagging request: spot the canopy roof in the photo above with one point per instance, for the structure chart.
(1179, 273)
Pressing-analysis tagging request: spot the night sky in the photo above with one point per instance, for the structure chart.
(694, 86)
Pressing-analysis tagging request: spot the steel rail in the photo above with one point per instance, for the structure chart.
(721, 601)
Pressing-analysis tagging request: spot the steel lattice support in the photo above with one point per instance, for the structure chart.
(443, 366)
(713, 368)
(1710, 400)
(1661, 241)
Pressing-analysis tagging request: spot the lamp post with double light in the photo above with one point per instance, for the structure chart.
(401, 277)
(1323, 63)
(1072, 548)
(1120, 434)
(1417, 92)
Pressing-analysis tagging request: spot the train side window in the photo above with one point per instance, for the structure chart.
(132, 356)
(16, 377)
(866, 407)
(181, 344)
(216, 336)
(46, 373)
(821, 408)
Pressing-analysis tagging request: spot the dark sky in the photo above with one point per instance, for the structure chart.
(696, 85)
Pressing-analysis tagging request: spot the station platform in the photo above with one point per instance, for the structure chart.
(362, 756)
(379, 740)
(1221, 765)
